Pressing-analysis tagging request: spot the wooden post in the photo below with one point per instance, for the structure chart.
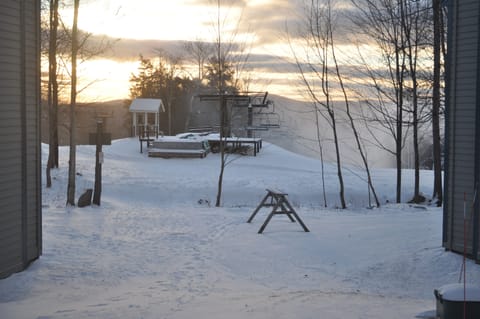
(156, 124)
(134, 119)
(98, 164)
(259, 207)
(145, 121)
(250, 120)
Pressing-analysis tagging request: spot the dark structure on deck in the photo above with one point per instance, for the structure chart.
(245, 113)
(462, 162)
(20, 153)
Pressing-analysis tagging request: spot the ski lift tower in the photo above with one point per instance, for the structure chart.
(261, 114)
(258, 112)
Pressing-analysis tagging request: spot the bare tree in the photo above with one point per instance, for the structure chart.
(353, 126)
(221, 93)
(89, 47)
(200, 51)
(416, 22)
(315, 71)
(56, 44)
(227, 67)
(381, 21)
(170, 69)
(73, 97)
(401, 32)
(320, 151)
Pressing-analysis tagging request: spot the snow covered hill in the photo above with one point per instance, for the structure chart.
(156, 248)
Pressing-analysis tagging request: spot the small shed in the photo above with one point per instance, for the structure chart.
(146, 115)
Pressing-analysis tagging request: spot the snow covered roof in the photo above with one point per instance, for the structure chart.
(147, 105)
(455, 292)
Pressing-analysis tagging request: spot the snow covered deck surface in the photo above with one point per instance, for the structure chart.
(181, 146)
(157, 249)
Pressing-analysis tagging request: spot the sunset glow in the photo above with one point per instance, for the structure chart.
(140, 21)
(106, 80)
(165, 20)
(143, 26)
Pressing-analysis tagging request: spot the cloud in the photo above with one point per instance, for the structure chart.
(271, 21)
(128, 49)
(131, 49)
(268, 21)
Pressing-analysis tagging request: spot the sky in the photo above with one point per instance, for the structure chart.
(140, 27)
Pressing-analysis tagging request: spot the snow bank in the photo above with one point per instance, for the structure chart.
(156, 248)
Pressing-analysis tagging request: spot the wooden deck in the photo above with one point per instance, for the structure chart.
(178, 148)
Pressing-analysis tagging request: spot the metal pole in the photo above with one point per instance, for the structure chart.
(98, 164)
(250, 120)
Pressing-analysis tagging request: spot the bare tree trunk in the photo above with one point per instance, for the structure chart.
(398, 152)
(317, 35)
(320, 149)
(53, 117)
(222, 109)
(381, 20)
(352, 125)
(339, 165)
(437, 156)
(399, 77)
(73, 97)
(226, 58)
(52, 92)
(411, 37)
(333, 124)
(416, 192)
(222, 150)
(329, 48)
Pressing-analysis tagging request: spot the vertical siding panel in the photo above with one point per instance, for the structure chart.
(462, 129)
(476, 205)
(32, 129)
(20, 185)
(10, 237)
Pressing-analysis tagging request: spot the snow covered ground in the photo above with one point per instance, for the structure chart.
(157, 248)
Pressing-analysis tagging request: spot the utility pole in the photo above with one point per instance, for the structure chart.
(98, 163)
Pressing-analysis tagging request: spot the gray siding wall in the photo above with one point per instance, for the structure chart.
(20, 186)
(463, 100)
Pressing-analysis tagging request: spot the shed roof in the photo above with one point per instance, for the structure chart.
(147, 105)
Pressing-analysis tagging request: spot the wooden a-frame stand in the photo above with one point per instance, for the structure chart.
(279, 202)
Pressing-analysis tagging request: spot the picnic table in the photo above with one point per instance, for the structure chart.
(281, 206)
(236, 142)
